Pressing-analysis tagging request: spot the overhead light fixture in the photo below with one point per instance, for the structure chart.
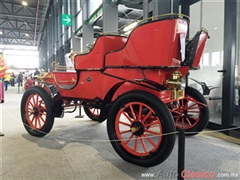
(130, 26)
(26, 34)
(24, 3)
(1, 32)
(96, 27)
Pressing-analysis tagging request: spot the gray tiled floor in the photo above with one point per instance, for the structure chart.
(79, 149)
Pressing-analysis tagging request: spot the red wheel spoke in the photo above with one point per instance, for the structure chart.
(193, 111)
(133, 113)
(152, 132)
(95, 111)
(183, 121)
(31, 103)
(149, 140)
(195, 119)
(178, 117)
(37, 99)
(126, 124)
(151, 124)
(140, 112)
(188, 122)
(32, 119)
(42, 109)
(43, 120)
(147, 116)
(33, 98)
(29, 109)
(143, 144)
(123, 132)
(192, 106)
(127, 116)
(34, 122)
(42, 113)
(136, 144)
(177, 112)
(38, 120)
(129, 139)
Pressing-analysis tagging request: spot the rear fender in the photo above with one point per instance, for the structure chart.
(125, 86)
(107, 101)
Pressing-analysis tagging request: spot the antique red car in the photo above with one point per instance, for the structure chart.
(135, 82)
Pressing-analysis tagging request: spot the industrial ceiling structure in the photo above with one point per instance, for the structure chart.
(22, 24)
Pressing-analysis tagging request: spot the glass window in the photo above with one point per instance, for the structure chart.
(216, 58)
(78, 6)
(92, 6)
(236, 120)
(79, 20)
(202, 15)
(68, 7)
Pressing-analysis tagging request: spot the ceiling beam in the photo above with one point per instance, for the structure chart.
(18, 30)
(17, 16)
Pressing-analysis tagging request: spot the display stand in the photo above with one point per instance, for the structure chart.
(181, 152)
(80, 112)
(18, 90)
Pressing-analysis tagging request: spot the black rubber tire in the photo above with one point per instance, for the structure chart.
(162, 112)
(204, 111)
(90, 115)
(47, 101)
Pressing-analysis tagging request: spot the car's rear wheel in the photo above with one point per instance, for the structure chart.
(136, 126)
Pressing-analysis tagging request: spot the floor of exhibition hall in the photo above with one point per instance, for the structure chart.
(78, 148)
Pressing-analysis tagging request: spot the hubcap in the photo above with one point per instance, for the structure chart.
(137, 128)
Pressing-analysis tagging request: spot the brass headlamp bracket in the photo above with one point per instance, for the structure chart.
(174, 83)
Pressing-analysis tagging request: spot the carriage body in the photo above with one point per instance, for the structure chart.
(137, 78)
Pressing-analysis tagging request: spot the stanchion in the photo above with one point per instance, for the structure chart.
(181, 152)
(80, 112)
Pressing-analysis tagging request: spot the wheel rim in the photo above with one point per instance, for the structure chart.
(186, 112)
(141, 133)
(35, 110)
(94, 111)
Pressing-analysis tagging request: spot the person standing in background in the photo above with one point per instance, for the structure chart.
(20, 79)
(37, 72)
(7, 79)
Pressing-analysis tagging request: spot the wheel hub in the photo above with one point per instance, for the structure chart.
(35, 111)
(137, 128)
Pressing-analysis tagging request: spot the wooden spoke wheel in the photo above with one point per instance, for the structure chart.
(36, 111)
(92, 113)
(136, 124)
(190, 113)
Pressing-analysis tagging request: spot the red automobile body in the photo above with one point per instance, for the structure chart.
(145, 60)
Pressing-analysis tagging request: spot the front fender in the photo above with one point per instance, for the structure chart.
(57, 109)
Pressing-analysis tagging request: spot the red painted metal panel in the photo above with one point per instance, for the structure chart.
(151, 44)
(95, 58)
